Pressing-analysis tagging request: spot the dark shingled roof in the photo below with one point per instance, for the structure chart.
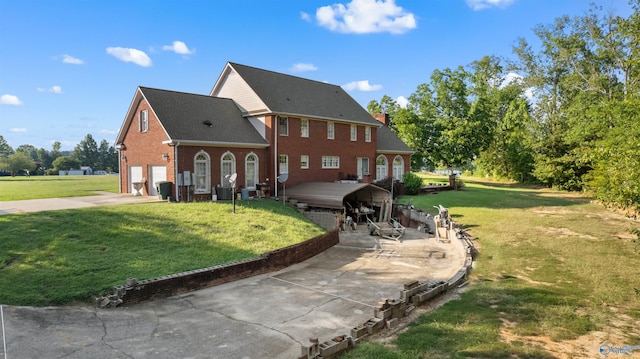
(196, 118)
(389, 142)
(291, 95)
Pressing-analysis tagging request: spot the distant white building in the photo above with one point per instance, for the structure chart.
(83, 171)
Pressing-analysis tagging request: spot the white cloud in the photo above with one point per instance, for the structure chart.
(18, 129)
(366, 16)
(361, 86)
(179, 47)
(130, 55)
(68, 59)
(402, 101)
(7, 99)
(512, 77)
(54, 89)
(485, 4)
(304, 16)
(301, 67)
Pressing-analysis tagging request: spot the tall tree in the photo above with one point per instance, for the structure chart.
(5, 149)
(29, 150)
(87, 152)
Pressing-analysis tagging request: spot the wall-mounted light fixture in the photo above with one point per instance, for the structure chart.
(123, 158)
(165, 156)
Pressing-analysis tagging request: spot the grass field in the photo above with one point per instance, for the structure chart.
(557, 276)
(59, 257)
(22, 187)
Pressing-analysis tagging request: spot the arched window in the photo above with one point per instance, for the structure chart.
(398, 168)
(382, 170)
(251, 171)
(227, 168)
(202, 172)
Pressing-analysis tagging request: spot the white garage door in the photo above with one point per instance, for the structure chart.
(135, 175)
(157, 173)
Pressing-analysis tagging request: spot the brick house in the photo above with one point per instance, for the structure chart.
(258, 124)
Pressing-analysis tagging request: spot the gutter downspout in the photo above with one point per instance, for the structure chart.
(176, 172)
(276, 159)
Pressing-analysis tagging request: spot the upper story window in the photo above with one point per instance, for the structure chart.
(367, 134)
(304, 128)
(330, 161)
(331, 130)
(304, 161)
(354, 133)
(143, 121)
(284, 126)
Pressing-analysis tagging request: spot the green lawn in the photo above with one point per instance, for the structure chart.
(22, 187)
(59, 257)
(551, 265)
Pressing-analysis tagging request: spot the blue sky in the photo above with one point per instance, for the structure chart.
(69, 68)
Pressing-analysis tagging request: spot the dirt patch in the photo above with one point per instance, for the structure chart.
(614, 334)
(563, 232)
(552, 211)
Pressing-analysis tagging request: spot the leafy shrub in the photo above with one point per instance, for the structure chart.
(412, 183)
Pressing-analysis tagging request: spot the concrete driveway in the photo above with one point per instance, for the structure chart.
(52, 204)
(267, 316)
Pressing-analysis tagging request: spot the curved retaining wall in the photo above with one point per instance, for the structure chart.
(134, 291)
(389, 311)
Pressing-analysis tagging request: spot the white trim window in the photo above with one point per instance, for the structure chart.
(251, 164)
(367, 134)
(354, 132)
(330, 161)
(398, 168)
(304, 127)
(202, 172)
(363, 167)
(143, 121)
(331, 130)
(283, 160)
(382, 170)
(227, 168)
(283, 127)
(304, 161)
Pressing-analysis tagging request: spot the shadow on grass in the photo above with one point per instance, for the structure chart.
(58, 257)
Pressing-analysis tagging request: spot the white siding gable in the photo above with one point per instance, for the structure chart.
(231, 85)
(259, 124)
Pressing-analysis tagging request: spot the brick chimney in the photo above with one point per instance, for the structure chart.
(382, 117)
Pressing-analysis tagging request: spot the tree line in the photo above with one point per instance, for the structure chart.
(564, 114)
(29, 159)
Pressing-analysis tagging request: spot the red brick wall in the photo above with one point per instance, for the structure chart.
(144, 149)
(317, 145)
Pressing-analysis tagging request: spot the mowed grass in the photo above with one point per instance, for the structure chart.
(61, 257)
(22, 187)
(553, 268)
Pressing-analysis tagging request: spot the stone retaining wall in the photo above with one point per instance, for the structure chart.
(134, 291)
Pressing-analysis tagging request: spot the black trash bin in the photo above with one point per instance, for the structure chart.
(164, 189)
